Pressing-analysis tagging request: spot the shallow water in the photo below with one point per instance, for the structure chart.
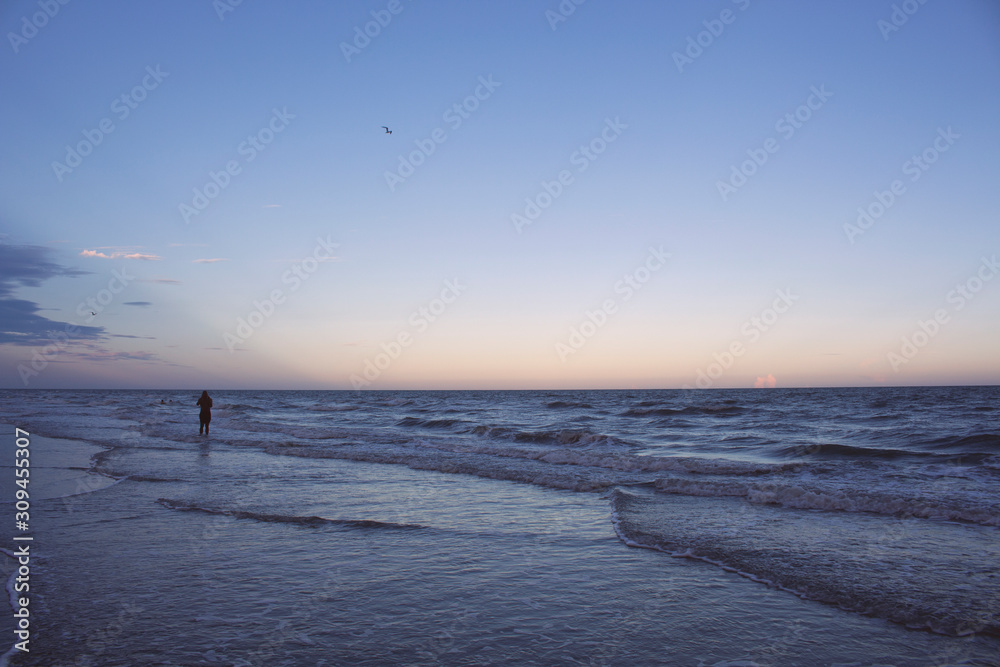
(315, 528)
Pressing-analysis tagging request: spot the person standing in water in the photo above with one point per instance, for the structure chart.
(206, 412)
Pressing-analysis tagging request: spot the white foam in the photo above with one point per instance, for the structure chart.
(632, 463)
(801, 496)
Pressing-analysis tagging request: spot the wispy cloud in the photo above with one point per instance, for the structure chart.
(96, 351)
(120, 254)
(29, 266)
(162, 281)
(138, 303)
(210, 261)
(108, 355)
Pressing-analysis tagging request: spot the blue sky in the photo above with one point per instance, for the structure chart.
(641, 126)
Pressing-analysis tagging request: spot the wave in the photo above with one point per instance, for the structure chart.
(879, 416)
(563, 437)
(568, 404)
(720, 410)
(416, 422)
(674, 422)
(279, 429)
(964, 443)
(239, 407)
(394, 402)
(332, 408)
(526, 470)
(812, 497)
(284, 518)
(850, 451)
(856, 566)
(572, 469)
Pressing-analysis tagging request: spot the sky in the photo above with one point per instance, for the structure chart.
(575, 194)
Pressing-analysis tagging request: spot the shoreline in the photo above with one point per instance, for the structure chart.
(488, 570)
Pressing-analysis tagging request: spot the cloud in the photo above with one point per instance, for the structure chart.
(61, 342)
(210, 261)
(130, 336)
(120, 254)
(108, 355)
(162, 281)
(765, 382)
(29, 266)
(138, 303)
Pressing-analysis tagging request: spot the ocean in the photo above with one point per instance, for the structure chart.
(729, 528)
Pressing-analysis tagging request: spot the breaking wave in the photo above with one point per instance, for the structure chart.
(284, 518)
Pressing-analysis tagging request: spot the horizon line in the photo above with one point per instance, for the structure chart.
(551, 389)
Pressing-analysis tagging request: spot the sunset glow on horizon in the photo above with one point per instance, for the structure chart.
(465, 195)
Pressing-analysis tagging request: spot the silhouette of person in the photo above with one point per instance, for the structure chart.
(206, 412)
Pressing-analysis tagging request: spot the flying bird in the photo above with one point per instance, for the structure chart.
(387, 130)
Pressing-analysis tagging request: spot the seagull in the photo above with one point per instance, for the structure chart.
(93, 313)
(387, 130)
